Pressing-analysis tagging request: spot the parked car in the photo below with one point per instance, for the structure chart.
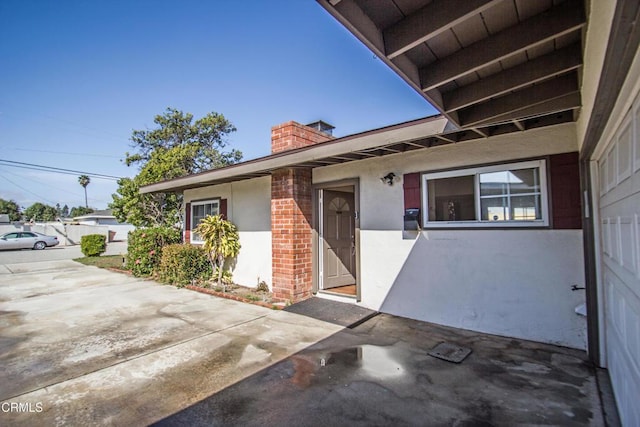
(27, 240)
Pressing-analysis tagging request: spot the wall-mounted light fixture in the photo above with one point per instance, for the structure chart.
(388, 178)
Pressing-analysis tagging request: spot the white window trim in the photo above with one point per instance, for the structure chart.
(544, 222)
(193, 226)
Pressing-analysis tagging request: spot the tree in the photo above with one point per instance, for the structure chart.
(64, 213)
(10, 208)
(177, 147)
(80, 211)
(40, 212)
(84, 180)
(175, 128)
(221, 241)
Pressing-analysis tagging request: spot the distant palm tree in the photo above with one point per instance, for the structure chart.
(84, 180)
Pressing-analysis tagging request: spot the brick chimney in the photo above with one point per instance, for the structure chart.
(290, 135)
(291, 225)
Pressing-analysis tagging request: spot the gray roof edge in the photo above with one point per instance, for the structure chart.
(406, 131)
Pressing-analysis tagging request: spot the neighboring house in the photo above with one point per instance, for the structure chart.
(100, 217)
(116, 230)
(492, 216)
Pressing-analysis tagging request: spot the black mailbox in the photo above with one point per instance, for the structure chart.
(412, 219)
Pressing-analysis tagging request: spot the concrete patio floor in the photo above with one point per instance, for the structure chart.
(84, 346)
(379, 373)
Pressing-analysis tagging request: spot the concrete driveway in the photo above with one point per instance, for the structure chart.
(84, 346)
(55, 253)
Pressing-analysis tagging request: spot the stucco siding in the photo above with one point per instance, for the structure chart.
(512, 283)
(249, 208)
(503, 148)
(507, 282)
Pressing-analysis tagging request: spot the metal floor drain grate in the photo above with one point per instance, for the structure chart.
(450, 352)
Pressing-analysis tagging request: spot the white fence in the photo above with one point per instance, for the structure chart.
(70, 234)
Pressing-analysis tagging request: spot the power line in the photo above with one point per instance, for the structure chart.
(92, 131)
(93, 199)
(56, 170)
(66, 152)
(65, 190)
(28, 191)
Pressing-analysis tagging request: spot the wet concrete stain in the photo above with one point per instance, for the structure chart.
(42, 364)
(500, 384)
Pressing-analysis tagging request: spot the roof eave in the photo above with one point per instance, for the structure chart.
(429, 126)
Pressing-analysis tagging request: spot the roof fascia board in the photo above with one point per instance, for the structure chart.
(349, 144)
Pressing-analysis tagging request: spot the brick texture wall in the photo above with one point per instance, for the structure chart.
(291, 231)
(292, 135)
(291, 226)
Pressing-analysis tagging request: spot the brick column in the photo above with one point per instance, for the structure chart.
(291, 226)
(291, 232)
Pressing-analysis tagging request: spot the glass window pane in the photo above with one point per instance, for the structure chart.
(525, 208)
(524, 181)
(451, 199)
(494, 209)
(200, 211)
(494, 183)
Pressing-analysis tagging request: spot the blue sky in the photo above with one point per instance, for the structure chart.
(76, 77)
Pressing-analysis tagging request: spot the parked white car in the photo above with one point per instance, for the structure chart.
(27, 240)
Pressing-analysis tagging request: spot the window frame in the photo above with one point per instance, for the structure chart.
(541, 164)
(193, 226)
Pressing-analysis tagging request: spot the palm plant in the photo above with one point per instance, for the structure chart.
(84, 180)
(221, 241)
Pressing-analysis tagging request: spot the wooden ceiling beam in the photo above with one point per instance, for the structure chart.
(481, 132)
(552, 106)
(366, 154)
(560, 20)
(418, 144)
(348, 157)
(426, 23)
(520, 100)
(392, 150)
(518, 124)
(542, 68)
(452, 138)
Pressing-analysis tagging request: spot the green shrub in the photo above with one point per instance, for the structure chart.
(221, 241)
(93, 244)
(145, 248)
(180, 264)
(226, 278)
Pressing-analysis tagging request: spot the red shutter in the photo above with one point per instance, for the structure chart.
(187, 222)
(411, 186)
(223, 208)
(566, 200)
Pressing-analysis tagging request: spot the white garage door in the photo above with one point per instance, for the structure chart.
(619, 174)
